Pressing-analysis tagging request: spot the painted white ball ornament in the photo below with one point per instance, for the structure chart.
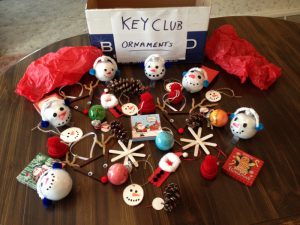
(56, 113)
(104, 68)
(194, 79)
(54, 184)
(245, 123)
(154, 67)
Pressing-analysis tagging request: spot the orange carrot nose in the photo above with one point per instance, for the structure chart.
(135, 194)
(153, 70)
(192, 76)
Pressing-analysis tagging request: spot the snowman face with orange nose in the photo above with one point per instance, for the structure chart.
(133, 194)
(56, 113)
(194, 80)
(155, 67)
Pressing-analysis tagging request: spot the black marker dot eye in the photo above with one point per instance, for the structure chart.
(149, 66)
(156, 67)
(112, 69)
(235, 119)
(244, 125)
(105, 70)
(136, 191)
(61, 108)
(130, 190)
(199, 77)
(192, 71)
(54, 114)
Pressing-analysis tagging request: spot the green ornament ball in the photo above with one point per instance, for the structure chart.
(97, 112)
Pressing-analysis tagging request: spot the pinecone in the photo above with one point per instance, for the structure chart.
(195, 119)
(126, 86)
(118, 131)
(171, 195)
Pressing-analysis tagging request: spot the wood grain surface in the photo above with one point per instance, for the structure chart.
(273, 199)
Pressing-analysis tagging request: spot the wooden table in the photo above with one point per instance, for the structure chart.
(273, 199)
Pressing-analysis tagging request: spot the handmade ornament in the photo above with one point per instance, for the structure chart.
(147, 104)
(128, 153)
(194, 79)
(218, 117)
(171, 196)
(195, 120)
(119, 131)
(56, 113)
(133, 194)
(198, 141)
(245, 123)
(170, 82)
(209, 167)
(110, 102)
(216, 95)
(54, 184)
(96, 114)
(164, 141)
(126, 86)
(104, 68)
(155, 67)
(117, 174)
(71, 134)
(129, 109)
(167, 164)
(95, 141)
(242, 166)
(56, 148)
(175, 95)
(145, 127)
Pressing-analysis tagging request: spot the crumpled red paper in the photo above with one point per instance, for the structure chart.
(238, 57)
(64, 67)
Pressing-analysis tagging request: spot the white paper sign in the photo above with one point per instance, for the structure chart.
(138, 34)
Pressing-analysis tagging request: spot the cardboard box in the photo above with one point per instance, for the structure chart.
(132, 30)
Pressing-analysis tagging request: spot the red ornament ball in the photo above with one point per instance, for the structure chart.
(117, 174)
(180, 130)
(104, 179)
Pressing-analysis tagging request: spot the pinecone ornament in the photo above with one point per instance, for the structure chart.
(195, 119)
(118, 131)
(126, 86)
(171, 196)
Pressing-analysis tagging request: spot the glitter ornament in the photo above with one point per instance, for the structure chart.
(96, 112)
(117, 174)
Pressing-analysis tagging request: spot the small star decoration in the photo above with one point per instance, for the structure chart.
(198, 141)
(128, 153)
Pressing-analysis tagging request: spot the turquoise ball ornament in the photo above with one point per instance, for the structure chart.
(164, 141)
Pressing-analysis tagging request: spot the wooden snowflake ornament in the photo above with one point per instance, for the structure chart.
(198, 141)
(128, 153)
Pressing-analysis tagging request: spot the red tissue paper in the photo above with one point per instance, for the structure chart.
(64, 67)
(238, 57)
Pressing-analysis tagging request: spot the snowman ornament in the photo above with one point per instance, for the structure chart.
(54, 184)
(245, 123)
(56, 113)
(194, 79)
(155, 67)
(104, 68)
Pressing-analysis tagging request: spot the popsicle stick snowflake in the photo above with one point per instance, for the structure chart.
(198, 141)
(128, 153)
